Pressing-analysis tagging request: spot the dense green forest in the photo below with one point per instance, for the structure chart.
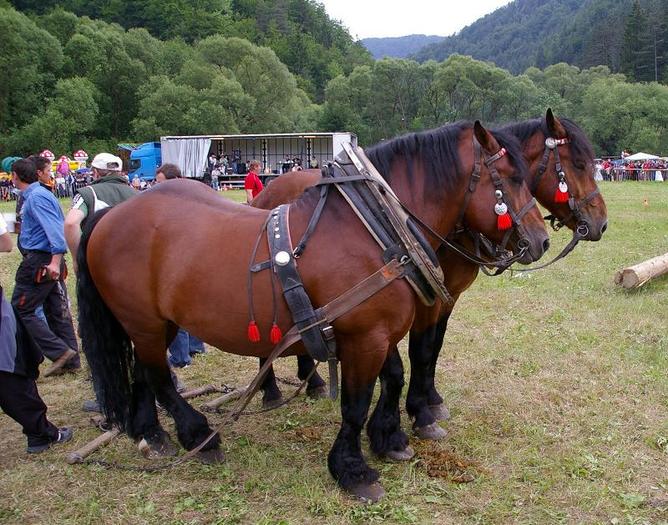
(73, 81)
(305, 39)
(625, 35)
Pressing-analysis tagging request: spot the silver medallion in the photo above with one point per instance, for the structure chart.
(498, 194)
(282, 258)
(551, 142)
(563, 187)
(501, 208)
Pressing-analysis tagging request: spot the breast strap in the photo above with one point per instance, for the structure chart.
(318, 338)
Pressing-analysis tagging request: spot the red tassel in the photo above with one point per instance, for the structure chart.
(560, 196)
(275, 335)
(253, 332)
(504, 222)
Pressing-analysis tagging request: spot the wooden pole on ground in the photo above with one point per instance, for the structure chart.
(636, 276)
(200, 391)
(214, 404)
(100, 441)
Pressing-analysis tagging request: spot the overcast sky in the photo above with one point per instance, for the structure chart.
(377, 18)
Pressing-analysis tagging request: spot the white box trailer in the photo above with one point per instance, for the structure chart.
(190, 153)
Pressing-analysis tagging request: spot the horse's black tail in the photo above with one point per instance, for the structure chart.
(107, 346)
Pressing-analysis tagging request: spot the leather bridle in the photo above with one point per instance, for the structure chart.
(501, 260)
(552, 147)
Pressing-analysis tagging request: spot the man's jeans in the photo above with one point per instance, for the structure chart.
(183, 346)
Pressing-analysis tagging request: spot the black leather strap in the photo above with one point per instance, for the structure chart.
(318, 344)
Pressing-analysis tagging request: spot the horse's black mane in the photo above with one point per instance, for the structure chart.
(581, 149)
(438, 151)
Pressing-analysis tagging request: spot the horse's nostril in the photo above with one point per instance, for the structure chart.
(546, 245)
(604, 227)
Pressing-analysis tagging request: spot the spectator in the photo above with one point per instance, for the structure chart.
(19, 367)
(40, 278)
(252, 183)
(109, 188)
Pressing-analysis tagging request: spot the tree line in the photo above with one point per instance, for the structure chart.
(71, 82)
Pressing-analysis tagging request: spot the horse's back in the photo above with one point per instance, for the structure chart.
(174, 238)
(286, 188)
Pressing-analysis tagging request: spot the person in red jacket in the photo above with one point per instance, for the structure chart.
(252, 183)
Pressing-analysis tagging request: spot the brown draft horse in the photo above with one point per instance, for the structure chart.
(135, 290)
(423, 402)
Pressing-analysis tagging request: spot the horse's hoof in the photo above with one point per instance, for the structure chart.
(158, 448)
(432, 432)
(400, 455)
(211, 457)
(440, 412)
(370, 493)
(268, 404)
(319, 392)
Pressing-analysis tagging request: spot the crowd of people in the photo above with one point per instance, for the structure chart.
(638, 170)
(37, 322)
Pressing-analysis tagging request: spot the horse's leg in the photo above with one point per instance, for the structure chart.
(271, 394)
(423, 348)
(191, 426)
(358, 377)
(316, 386)
(144, 424)
(384, 429)
(435, 401)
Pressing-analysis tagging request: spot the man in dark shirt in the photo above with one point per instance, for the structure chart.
(40, 278)
(19, 361)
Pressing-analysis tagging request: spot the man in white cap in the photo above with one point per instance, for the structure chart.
(109, 188)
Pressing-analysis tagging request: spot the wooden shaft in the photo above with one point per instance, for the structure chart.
(636, 276)
(80, 454)
(212, 406)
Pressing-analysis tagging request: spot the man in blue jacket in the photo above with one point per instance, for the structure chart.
(40, 278)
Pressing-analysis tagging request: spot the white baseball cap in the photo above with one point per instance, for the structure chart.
(107, 161)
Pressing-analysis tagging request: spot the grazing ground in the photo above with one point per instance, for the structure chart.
(557, 383)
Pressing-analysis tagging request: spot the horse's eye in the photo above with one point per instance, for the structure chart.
(517, 180)
(580, 165)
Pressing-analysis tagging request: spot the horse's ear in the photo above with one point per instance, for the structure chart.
(486, 139)
(556, 128)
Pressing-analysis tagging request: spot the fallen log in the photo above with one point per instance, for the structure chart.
(636, 276)
(214, 404)
(100, 441)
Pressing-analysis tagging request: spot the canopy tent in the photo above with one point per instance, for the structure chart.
(641, 156)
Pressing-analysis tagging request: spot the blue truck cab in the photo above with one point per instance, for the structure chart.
(144, 161)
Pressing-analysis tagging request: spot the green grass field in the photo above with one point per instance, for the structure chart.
(557, 383)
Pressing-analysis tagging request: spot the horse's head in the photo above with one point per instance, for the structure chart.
(562, 176)
(501, 206)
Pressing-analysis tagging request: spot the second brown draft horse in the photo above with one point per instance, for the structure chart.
(135, 290)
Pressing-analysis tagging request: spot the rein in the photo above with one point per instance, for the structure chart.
(500, 263)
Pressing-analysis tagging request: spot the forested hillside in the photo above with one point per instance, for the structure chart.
(625, 35)
(398, 47)
(305, 39)
(71, 82)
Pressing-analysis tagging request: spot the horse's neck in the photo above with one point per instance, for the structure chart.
(428, 200)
